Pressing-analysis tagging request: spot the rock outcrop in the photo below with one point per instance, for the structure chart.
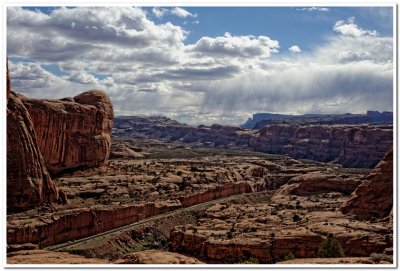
(261, 120)
(28, 181)
(73, 132)
(374, 196)
(50, 229)
(157, 257)
(317, 183)
(348, 145)
(38, 256)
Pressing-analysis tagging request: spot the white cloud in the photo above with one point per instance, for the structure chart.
(294, 49)
(314, 9)
(82, 78)
(349, 28)
(177, 11)
(33, 80)
(150, 70)
(235, 46)
(183, 13)
(159, 12)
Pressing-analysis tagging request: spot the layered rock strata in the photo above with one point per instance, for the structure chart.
(350, 146)
(75, 224)
(28, 181)
(374, 196)
(73, 132)
(157, 257)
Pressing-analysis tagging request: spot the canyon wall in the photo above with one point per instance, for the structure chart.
(48, 136)
(28, 181)
(374, 196)
(70, 225)
(266, 250)
(348, 145)
(73, 132)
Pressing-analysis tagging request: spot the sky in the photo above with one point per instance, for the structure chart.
(204, 65)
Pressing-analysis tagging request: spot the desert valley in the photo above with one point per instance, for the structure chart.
(84, 187)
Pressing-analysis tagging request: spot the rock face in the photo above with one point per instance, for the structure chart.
(261, 120)
(348, 145)
(157, 257)
(49, 257)
(73, 132)
(49, 230)
(28, 181)
(374, 196)
(316, 183)
(164, 128)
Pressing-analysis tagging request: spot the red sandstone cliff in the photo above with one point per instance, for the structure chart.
(348, 145)
(73, 132)
(28, 181)
(374, 196)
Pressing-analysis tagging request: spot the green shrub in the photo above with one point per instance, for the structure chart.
(252, 260)
(290, 256)
(330, 248)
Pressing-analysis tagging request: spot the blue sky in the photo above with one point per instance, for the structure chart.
(208, 64)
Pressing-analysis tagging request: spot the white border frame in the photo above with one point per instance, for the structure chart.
(204, 3)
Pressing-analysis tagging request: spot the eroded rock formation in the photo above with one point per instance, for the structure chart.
(348, 145)
(316, 183)
(28, 181)
(374, 196)
(157, 257)
(73, 132)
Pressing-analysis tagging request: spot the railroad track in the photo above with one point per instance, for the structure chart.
(150, 219)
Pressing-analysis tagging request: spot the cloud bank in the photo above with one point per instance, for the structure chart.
(147, 68)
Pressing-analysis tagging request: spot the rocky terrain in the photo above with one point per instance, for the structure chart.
(157, 257)
(157, 191)
(171, 176)
(348, 145)
(43, 256)
(261, 120)
(374, 197)
(292, 222)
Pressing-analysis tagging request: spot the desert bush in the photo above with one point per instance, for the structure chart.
(252, 260)
(330, 248)
(290, 256)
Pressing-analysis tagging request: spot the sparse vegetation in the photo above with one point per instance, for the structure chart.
(252, 260)
(290, 256)
(330, 248)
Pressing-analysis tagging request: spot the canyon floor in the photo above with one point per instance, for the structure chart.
(163, 202)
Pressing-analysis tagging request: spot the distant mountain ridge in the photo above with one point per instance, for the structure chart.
(261, 120)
